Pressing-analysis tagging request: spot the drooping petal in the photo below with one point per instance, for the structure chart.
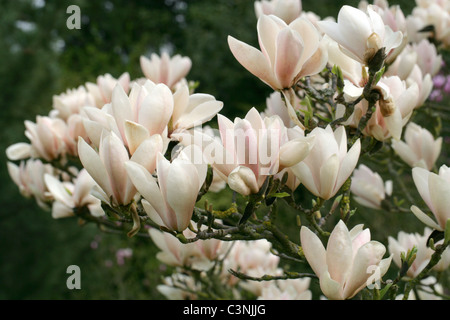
(314, 251)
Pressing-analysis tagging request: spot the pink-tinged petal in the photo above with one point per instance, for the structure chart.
(330, 288)
(58, 190)
(183, 177)
(179, 69)
(146, 185)
(18, 151)
(194, 155)
(156, 109)
(121, 108)
(328, 175)
(348, 164)
(420, 177)
(425, 218)
(253, 60)
(150, 70)
(164, 67)
(246, 145)
(135, 134)
(304, 174)
(147, 152)
(339, 253)
(226, 129)
(310, 36)
(243, 181)
(291, 112)
(315, 64)
(268, 29)
(289, 49)
(202, 113)
(152, 213)
(404, 151)
(439, 192)
(113, 154)
(314, 251)
(180, 102)
(94, 166)
(366, 260)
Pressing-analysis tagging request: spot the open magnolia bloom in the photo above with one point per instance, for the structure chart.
(199, 255)
(288, 52)
(103, 89)
(164, 206)
(420, 149)
(290, 289)
(165, 69)
(360, 35)
(107, 167)
(146, 111)
(349, 262)
(406, 241)
(328, 164)
(258, 148)
(392, 112)
(287, 10)
(72, 101)
(434, 190)
(192, 110)
(29, 178)
(368, 187)
(69, 196)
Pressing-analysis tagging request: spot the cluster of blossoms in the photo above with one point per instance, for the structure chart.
(136, 151)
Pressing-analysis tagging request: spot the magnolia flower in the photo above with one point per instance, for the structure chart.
(428, 59)
(420, 149)
(69, 196)
(290, 289)
(392, 112)
(252, 258)
(198, 255)
(276, 107)
(406, 67)
(435, 15)
(434, 190)
(143, 113)
(164, 206)
(423, 292)
(165, 69)
(72, 102)
(360, 34)
(328, 164)
(286, 10)
(368, 187)
(192, 110)
(29, 177)
(406, 241)
(258, 148)
(172, 287)
(346, 266)
(107, 167)
(102, 90)
(288, 52)
(46, 137)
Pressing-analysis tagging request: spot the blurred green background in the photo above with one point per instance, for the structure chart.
(40, 57)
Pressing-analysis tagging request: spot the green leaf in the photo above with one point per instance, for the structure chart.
(385, 289)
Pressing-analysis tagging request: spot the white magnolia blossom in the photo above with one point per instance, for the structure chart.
(419, 149)
(368, 187)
